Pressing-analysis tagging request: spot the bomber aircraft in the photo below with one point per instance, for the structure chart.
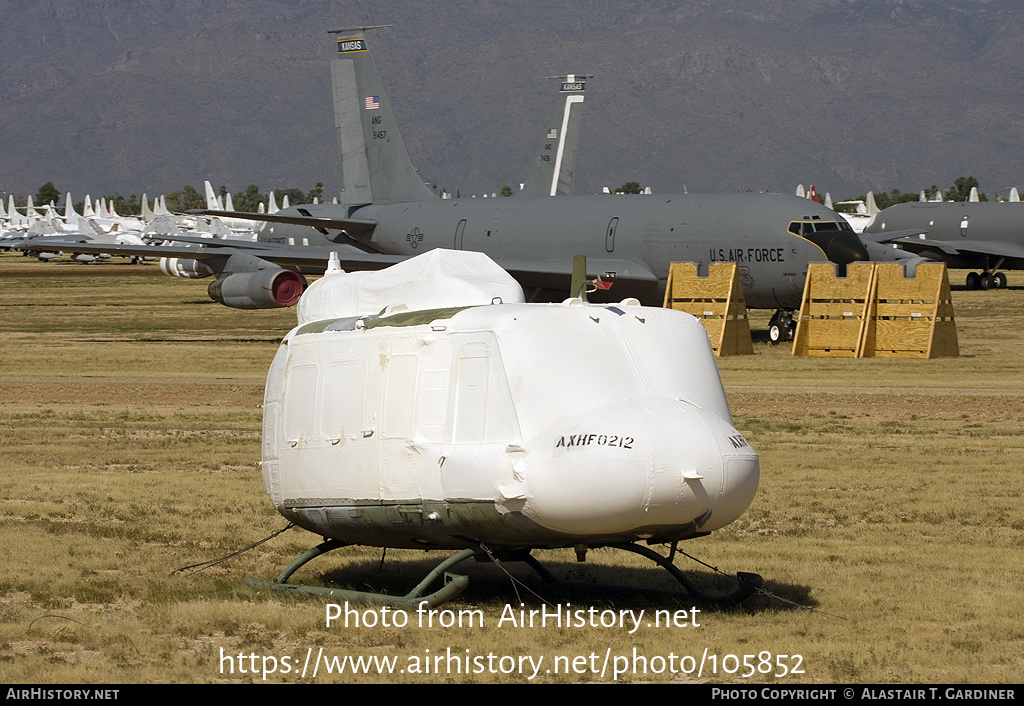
(386, 213)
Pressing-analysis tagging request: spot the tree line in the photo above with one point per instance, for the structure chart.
(960, 191)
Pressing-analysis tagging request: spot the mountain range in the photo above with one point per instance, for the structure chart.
(127, 96)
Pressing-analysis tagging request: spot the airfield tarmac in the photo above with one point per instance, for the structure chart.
(888, 525)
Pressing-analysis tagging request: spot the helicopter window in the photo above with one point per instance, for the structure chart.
(576, 361)
(400, 395)
(344, 402)
(299, 402)
(481, 400)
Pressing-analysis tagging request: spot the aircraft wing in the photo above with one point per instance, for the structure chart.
(224, 256)
(313, 259)
(354, 226)
(556, 274)
(989, 248)
(888, 237)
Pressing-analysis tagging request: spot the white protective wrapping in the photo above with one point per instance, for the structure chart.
(437, 279)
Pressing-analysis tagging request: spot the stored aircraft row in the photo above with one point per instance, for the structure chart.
(386, 213)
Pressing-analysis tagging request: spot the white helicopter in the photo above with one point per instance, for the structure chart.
(426, 406)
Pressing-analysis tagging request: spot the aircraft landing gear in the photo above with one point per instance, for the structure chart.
(746, 583)
(986, 280)
(782, 327)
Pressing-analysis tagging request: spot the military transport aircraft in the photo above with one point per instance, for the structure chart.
(987, 235)
(386, 213)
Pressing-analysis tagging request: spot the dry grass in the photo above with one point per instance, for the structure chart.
(890, 502)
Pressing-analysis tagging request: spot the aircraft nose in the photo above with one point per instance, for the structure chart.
(841, 247)
(645, 468)
(716, 465)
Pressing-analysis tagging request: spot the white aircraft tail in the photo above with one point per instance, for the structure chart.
(211, 198)
(553, 168)
(272, 204)
(70, 214)
(375, 165)
(13, 215)
(1014, 195)
(973, 198)
(89, 228)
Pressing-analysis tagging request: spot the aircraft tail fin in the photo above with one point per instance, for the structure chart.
(872, 206)
(211, 198)
(552, 171)
(1014, 194)
(375, 166)
(70, 214)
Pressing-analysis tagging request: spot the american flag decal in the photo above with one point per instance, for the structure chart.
(372, 102)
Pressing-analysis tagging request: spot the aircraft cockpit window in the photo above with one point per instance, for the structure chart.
(801, 228)
(818, 226)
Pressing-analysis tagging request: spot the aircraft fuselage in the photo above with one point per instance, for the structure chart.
(992, 232)
(753, 230)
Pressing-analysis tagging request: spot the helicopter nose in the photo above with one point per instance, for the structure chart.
(715, 463)
(641, 469)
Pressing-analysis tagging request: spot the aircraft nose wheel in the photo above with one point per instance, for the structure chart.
(782, 327)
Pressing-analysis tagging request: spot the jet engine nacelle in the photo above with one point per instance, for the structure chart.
(184, 267)
(270, 288)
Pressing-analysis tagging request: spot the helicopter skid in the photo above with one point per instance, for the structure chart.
(455, 584)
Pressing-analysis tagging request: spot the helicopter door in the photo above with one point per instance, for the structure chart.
(483, 424)
(397, 471)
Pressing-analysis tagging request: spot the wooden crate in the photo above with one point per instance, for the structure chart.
(716, 300)
(834, 311)
(913, 317)
(876, 312)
